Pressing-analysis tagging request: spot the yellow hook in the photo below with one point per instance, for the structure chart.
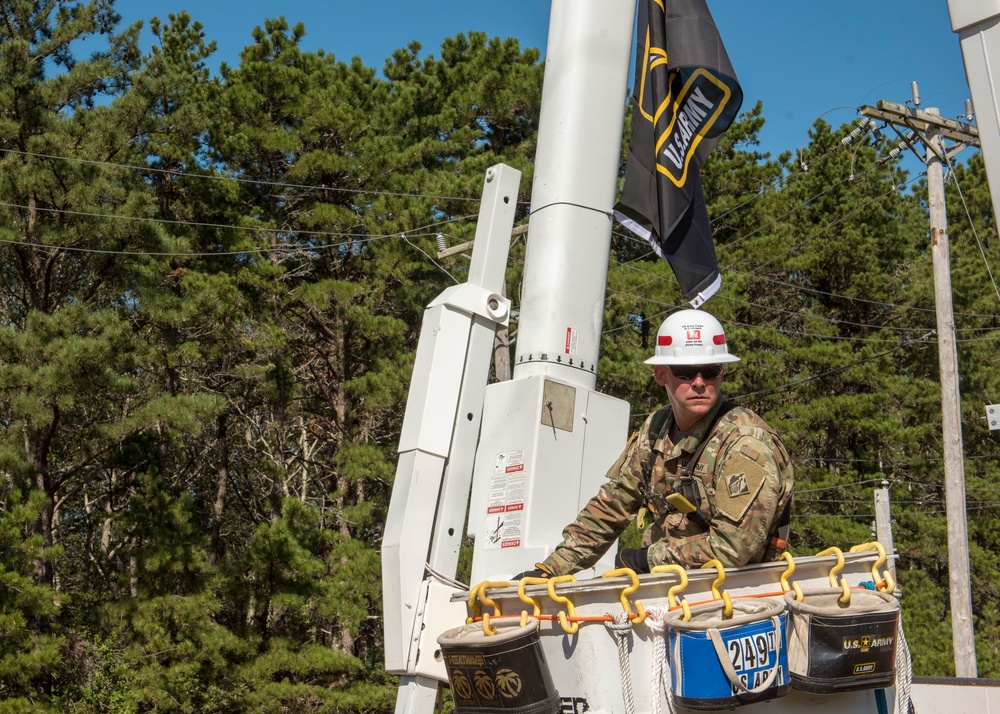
(474, 607)
(488, 629)
(845, 598)
(890, 584)
(479, 591)
(787, 557)
(727, 611)
(637, 619)
(487, 601)
(795, 587)
(536, 607)
(679, 588)
(570, 628)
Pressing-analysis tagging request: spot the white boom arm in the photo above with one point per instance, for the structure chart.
(575, 184)
(547, 437)
(437, 449)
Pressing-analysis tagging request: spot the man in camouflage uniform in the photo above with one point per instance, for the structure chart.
(706, 479)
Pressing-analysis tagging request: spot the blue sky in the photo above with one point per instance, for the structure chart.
(802, 58)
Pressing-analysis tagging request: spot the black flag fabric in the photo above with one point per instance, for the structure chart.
(686, 95)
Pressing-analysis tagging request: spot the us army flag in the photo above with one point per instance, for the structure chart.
(686, 95)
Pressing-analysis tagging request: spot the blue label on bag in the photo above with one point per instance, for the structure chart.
(755, 650)
(751, 651)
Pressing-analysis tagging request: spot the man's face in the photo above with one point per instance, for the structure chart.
(691, 395)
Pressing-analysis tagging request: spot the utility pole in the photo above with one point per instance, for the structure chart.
(932, 128)
(883, 525)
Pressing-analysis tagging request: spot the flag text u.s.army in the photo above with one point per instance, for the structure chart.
(696, 111)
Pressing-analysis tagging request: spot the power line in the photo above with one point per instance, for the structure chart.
(980, 339)
(784, 181)
(877, 303)
(235, 179)
(760, 276)
(837, 322)
(837, 221)
(799, 491)
(781, 330)
(827, 372)
(737, 241)
(355, 237)
(972, 224)
(830, 320)
(811, 378)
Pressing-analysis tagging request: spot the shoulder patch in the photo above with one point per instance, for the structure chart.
(737, 486)
(615, 470)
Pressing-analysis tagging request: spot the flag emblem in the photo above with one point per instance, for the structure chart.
(685, 97)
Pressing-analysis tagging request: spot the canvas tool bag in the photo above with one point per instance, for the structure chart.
(836, 648)
(505, 673)
(721, 663)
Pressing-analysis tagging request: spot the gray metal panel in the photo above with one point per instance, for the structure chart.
(965, 13)
(975, 697)
(981, 51)
(530, 479)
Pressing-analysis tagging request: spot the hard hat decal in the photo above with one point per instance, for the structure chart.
(688, 337)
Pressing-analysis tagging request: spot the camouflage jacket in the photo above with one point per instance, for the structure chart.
(742, 484)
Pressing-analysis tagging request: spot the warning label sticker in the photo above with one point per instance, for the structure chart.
(503, 530)
(504, 509)
(572, 340)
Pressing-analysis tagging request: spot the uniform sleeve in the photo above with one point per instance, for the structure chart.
(606, 515)
(747, 484)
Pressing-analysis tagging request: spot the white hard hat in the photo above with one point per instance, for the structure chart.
(691, 337)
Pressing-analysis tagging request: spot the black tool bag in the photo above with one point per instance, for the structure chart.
(835, 648)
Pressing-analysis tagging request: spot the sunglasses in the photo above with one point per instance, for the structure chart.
(708, 372)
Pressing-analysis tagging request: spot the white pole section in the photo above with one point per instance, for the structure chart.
(978, 27)
(576, 173)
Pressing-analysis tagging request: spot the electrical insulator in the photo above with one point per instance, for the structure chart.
(905, 144)
(858, 132)
(440, 241)
(916, 93)
(968, 110)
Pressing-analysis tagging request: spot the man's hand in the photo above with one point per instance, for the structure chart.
(634, 558)
(539, 571)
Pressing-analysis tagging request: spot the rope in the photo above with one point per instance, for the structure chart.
(904, 672)
(620, 627)
(660, 674)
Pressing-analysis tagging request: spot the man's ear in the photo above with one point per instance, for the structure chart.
(660, 374)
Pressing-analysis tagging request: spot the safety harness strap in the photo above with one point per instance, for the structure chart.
(685, 497)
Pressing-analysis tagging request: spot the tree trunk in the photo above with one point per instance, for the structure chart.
(222, 482)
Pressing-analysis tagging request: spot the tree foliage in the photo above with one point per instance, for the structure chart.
(211, 286)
